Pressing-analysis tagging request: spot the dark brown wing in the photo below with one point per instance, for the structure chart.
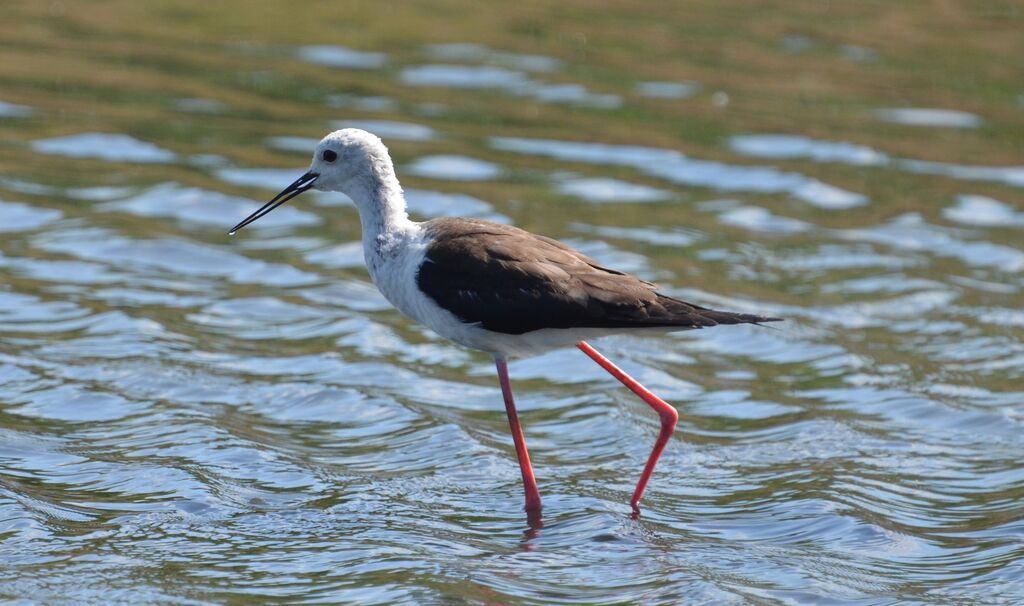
(511, 281)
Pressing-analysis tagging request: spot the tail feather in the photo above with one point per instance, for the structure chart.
(712, 317)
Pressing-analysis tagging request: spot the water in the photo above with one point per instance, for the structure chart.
(192, 418)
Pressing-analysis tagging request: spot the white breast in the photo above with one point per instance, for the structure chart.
(394, 262)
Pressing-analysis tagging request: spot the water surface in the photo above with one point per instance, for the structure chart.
(192, 418)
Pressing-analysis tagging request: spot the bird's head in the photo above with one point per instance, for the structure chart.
(346, 160)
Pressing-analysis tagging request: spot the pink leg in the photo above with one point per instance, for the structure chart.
(668, 415)
(529, 483)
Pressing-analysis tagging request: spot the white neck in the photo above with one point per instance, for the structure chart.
(381, 204)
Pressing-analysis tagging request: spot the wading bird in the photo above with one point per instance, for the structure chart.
(492, 287)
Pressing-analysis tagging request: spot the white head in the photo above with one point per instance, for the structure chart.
(351, 161)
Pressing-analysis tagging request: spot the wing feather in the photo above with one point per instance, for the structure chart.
(511, 281)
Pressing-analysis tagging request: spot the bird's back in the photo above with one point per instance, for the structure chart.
(508, 280)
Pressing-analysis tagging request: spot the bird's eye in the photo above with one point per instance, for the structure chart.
(329, 155)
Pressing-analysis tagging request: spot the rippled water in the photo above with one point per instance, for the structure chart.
(191, 418)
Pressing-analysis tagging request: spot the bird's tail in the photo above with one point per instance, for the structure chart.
(728, 317)
(713, 317)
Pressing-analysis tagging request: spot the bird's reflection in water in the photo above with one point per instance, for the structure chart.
(534, 523)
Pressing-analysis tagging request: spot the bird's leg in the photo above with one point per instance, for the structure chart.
(668, 415)
(529, 483)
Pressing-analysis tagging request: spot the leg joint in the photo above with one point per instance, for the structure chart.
(669, 416)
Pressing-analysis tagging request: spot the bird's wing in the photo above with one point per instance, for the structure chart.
(511, 281)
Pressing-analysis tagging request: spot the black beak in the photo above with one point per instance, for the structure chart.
(300, 185)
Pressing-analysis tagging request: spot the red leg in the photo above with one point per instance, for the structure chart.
(529, 483)
(668, 415)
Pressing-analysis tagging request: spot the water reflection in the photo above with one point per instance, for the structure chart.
(791, 147)
(22, 217)
(462, 51)
(1009, 175)
(427, 203)
(199, 206)
(462, 76)
(925, 116)
(667, 90)
(760, 219)
(797, 147)
(911, 232)
(186, 415)
(112, 147)
(453, 168)
(184, 258)
(677, 168)
(366, 104)
(199, 105)
(512, 81)
(679, 237)
(390, 129)
(14, 110)
(605, 189)
(983, 211)
(263, 178)
(341, 57)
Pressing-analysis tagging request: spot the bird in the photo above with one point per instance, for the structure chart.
(494, 287)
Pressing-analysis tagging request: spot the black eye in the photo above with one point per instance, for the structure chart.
(329, 155)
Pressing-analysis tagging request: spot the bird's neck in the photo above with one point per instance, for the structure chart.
(382, 212)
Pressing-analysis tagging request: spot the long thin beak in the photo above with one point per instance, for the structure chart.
(300, 185)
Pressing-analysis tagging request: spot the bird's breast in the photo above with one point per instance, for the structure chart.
(393, 268)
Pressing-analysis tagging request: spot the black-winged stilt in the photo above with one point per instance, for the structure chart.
(493, 287)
